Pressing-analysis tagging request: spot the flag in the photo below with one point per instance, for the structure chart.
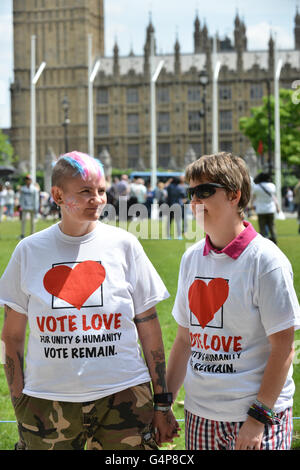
(260, 148)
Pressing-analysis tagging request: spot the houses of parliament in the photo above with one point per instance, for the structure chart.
(121, 90)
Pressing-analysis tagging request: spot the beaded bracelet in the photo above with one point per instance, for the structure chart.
(263, 414)
(258, 416)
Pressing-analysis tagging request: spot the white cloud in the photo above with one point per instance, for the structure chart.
(4, 115)
(6, 29)
(3, 92)
(259, 34)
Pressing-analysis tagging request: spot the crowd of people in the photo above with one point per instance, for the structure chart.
(167, 194)
(12, 200)
(134, 191)
(28, 201)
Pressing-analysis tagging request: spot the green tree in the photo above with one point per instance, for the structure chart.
(6, 150)
(256, 127)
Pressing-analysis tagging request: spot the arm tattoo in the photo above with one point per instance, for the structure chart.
(9, 368)
(161, 375)
(13, 366)
(160, 367)
(158, 355)
(21, 363)
(144, 319)
(6, 310)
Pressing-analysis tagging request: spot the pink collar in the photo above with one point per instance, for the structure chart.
(236, 246)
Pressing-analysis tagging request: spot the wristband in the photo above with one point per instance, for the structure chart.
(263, 414)
(162, 408)
(165, 398)
(260, 405)
(258, 416)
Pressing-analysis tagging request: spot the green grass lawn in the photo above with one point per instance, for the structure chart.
(165, 255)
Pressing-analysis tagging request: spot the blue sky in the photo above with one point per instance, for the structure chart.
(126, 21)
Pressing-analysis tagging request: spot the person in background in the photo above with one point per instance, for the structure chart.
(160, 193)
(122, 188)
(10, 200)
(266, 205)
(289, 200)
(174, 198)
(183, 201)
(149, 197)
(29, 204)
(3, 193)
(297, 202)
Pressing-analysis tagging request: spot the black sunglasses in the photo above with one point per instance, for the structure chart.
(203, 191)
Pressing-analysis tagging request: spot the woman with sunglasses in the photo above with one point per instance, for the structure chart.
(236, 310)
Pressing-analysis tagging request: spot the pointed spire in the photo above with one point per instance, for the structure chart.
(197, 35)
(205, 37)
(240, 38)
(116, 48)
(237, 19)
(271, 41)
(150, 28)
(271, 53)
(131, 52)
(177, 65)
(149, 32)
(197, 22)
(297, 29)
(116, 66)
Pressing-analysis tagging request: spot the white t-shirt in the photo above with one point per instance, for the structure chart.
(81, 295)
(29, 198)
(10, 196)
(139, 191)
(3, 194)
(264, 203)
(230, 307)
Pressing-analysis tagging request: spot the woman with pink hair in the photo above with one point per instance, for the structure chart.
(88, 292)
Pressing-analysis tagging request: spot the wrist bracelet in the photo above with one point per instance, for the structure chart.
(258, 416)
(164, 398)
(263, 414)
(162, 408)
(259, 404)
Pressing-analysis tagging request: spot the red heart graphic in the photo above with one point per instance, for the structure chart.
(206, 299)
(74, 285)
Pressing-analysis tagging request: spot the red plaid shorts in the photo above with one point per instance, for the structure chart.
(205, 434)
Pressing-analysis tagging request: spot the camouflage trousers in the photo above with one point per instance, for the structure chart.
(122, 421)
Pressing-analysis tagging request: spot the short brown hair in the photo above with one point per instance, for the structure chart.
(226, 169)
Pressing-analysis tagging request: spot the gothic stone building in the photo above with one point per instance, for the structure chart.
(122, 87)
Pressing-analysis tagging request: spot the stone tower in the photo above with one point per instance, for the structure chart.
(297, 30)
(61, 28)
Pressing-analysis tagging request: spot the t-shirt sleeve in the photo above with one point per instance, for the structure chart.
(11, 292)
(148, 288)
(277, 301)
